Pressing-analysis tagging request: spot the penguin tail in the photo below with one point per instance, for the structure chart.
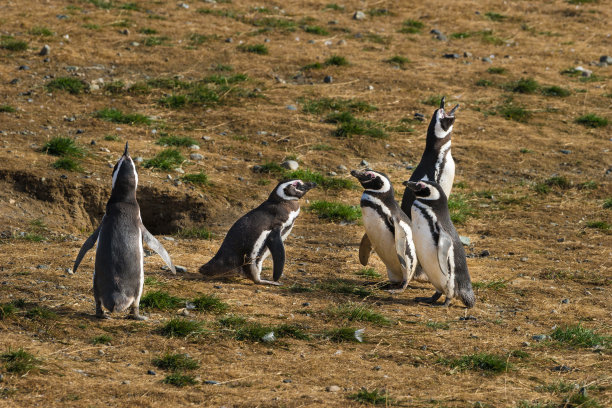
(467, 296)
(214, 268)
(118, 302)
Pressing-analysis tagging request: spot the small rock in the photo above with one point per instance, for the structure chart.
(125, 31)
(565, 151)
(359, 335)
(562, 368)
(217, 286)
(151, 372)
(42, 267)
(139, 159)
(105, 150)
(465, 240)
(364, 163)
(24, 68)
(287, 381)
(333, 173)
(194, 147)
(332, 388)
(342, 167)
(377, 368)
(419, 116)
(438, 34)
(290, 164)
(180, 269)
(565, 301)
(211, 382)
(560, 239)
(291, 107)
(605, 58)
(540, 337)
(179, 170)
(359, 15)
(305, 304)
(526, 344)
(229, 40)
(268, 337)
(61, 17)
(524, 259)
(69, 271)
(134, 43)
(80, 131)
(424, 347)
(126, 382)
(585, 72)
(487, 59)
(183, 5)
(467, 54)
(196, 156)
(328, 79)
(485, 253)
(101, 352)
(45, 50)
(451, 56)
(169, 238)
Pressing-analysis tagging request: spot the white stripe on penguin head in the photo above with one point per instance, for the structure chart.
(439, 132)
(434, 194)
(280, 191)
(134, 170)
(117, 171)
(386, 185)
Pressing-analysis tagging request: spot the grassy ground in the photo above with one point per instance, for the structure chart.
(532, 192)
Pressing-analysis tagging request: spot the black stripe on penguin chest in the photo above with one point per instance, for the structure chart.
(381, 214)
(430, 221)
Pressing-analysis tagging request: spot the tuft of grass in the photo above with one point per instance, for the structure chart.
(558, 181)
(147, 31)
(7, 310)
(336, 211)
(496, 70)
(341, 335)
(411, 26)
(433, 100)
(374, 397)
(355, 312)
(496, 284)
(198, 39)
(115, 87)
(336, 60)
(483, 82)
(316, 30)
(334, 6)
(101, 339)
(437, 325)
(41, 313)
(322, 105)
(179, 380)
(112, 138)
(69, 84)
(368, 273)
(226, 80)
(160, 300)
(514, 112)
(116, 116)
(12, 44)
(153, 41)
(181, 328)
(259, 49)
(195, 232)
(210, 303)
(176, 141)
(523, 85)
(600, 225)
(495, 16)
(398, 60)
(41, 31)
(175, 362)
(578, 336)
(588, 185)
(7, 109)
(165, 160)
(19, 361)
(460, 208)
(253, 331)
(461, 35)
(196, 178)
(607, 203)
(344, 287)
(62, 146)
(272, 23)
(480, 361)
(556, 91)
(349, 125)
(90, 26)
(591, 120)
(67, 163)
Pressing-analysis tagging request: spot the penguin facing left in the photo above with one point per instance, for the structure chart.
(259, 233)
(119, 271)
(387, 228)
(438, 248)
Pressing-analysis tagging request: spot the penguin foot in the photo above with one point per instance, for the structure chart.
(447, 302)
(400, 287)
(267, 282)
(431, 299)
(137, 317)
(102, 315)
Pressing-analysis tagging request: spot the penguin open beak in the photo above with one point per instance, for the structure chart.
(452, 112)
(307, 186)
(125, 152)
(442, 102)
(412, 185)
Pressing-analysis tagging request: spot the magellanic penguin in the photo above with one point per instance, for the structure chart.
(119, 272)
(437, 244)
(259, 233)
(437, 163)
(387, 228)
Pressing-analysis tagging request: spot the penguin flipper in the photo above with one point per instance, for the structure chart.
(87, 245)
(402, 248)
(155, 245)
(277, 249)
(445, 243)
(365, 249)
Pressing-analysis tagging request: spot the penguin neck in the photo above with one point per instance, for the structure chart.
(291, 205)
(123, 194)
(433, 143)
(386, 198)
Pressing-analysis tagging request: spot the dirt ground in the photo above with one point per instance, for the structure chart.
(538, 193)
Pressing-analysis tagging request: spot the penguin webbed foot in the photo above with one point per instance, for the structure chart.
(431, 300)
(137, 317)
(102, 315)
(447, 302)
(267, 282)
(398, 287)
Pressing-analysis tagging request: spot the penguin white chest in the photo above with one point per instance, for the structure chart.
(382, 239)
(447, 176)
(423, 220)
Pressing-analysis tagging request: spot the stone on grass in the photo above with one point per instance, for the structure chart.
(196, 156)
(290, 164)
(333, 388)
(359, 15)
(45, 50)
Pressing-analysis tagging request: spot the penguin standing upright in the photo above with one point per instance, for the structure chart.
(437, 244)
(437, 163)
(259, 233)
(387, 228)
(119, 272)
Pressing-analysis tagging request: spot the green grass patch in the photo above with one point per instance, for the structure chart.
(195, 232)
(368, 273)
(273, 23)
(179, 380)
(433, 100)
(177, 141)
(41, 31)
(101, 339)
(343, 335)
(226, 80)
(398, 60)
(578, 336)
(374, 397)
(494, 16)
(607, 203)
(514, 112)
(147, 31)
(592, 121)
(483, 83)
(165, 160)
(317, 30)
(336, 211)
(331, 183)
(344, 287)
(40, 313)
(116, 116)
(322, 147)
(355, 312)
(495, 284)
(253, 331)
(69, 84)
(437, 325)
(460, 209)
(336, 60)
(497, 70)
(161, 300)
(67, 163)
(480, 362)
(588, 185)
(62, 146)
(461, 35)
(259, 49)
(153, 41)
(175, 362)
(199, 39)
(210, 303)
(334, 7)
(7, 310)
(196, 178)
(523, 85)
(90, 26)
(322, 105)
(349, 125)
(115, 87)
(600, 225)
(556, 91)
(12, 44)
(411, 26)
(181, 328)
(7, 109)
(112, 138)
(19, 361)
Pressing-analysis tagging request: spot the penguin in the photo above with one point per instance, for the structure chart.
(437, 163)
(119, 273)
(438, 248)
(259, 233)
(388, 229)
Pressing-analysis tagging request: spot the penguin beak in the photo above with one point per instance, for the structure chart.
(126, 153)
(412, 185)
(442, 103)
(308, 185)
(360, 175)
(452, 112)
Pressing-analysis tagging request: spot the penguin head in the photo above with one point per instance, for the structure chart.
(425, 190)
(292, 189)
(443, 121)
(124, 173)
(373, 181)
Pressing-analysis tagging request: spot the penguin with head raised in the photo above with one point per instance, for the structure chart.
(387, 228)
(259, 233)
(119, 272)
(437, 244)
(437, 163)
